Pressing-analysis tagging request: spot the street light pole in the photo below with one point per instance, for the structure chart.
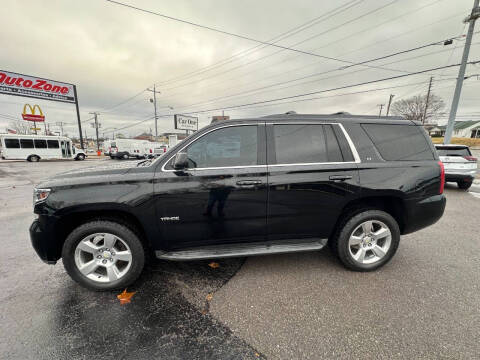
(389, 103)
(461, 72)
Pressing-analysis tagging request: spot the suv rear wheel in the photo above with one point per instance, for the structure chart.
(464, 185)
(367, 240)
(103, 255)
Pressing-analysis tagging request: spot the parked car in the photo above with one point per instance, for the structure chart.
(460, 165)
(126, 148)
(33, 148)
(276, 184)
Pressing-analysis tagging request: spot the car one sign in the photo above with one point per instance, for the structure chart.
(24, 85)
(185, 122)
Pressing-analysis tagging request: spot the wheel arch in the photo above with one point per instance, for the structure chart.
(74, 218)
(29, 157)
(391, 204)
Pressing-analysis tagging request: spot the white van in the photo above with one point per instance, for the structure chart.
(35, 147)
(126, 148)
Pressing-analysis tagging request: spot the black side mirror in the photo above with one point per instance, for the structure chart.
(181, 161)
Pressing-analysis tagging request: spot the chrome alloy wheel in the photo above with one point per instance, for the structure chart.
(103, 257)
(370, 242)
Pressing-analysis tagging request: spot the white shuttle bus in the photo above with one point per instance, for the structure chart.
(36, 147)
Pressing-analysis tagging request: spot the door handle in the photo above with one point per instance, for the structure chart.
(340, 177)
(248, 183)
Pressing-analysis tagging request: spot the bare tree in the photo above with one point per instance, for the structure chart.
(21, 127)
(413, 108)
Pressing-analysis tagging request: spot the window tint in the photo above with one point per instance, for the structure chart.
(40, 144)
(333, 148)
(53, 144)
(12, 143)
(231, 146)
(297, 144)
(452, 151)
(26, 143)
(399, 142)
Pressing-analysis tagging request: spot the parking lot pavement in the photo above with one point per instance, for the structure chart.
(424, 304)
(45, 315)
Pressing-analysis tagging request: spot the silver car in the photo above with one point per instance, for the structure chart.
(460, 165)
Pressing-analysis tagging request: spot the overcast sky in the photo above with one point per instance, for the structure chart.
(112, 53)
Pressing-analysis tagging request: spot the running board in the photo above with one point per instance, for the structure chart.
(243, 249)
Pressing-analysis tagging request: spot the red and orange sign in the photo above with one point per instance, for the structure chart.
(32, 115)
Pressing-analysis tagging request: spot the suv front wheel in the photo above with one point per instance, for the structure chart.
(103, 255)
(367, 240)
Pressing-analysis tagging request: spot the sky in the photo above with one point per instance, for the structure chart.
(114, 53)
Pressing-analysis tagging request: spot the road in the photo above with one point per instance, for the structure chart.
(424, 304)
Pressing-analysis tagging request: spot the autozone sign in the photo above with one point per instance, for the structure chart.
(24, 85)
(32, 115)
(185, 122)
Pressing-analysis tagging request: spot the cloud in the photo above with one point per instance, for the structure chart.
(112, 53)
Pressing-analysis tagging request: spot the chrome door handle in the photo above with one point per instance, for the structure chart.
(248, 183)
(340, 177)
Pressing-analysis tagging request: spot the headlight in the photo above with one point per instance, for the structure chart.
(40, 195)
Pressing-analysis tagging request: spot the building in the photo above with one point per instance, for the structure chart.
(145, 136)
(461, 129)
(218, 118)
(163, 137)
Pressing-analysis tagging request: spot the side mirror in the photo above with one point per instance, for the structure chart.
(181, 161)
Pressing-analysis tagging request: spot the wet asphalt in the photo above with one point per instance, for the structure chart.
(45, 315)
(424, 304)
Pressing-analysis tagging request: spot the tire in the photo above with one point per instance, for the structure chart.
(346, 249)
(112, 157)
(80, 157)
(464, 185)
(98, 279)
(125, 156)
(33, 158)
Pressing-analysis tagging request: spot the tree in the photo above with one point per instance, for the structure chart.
(413, 108)
(21, 127)
(119, 136)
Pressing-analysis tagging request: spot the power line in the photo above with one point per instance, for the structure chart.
(333, 42)
(233, 34)
(282, 36)
(310, 93)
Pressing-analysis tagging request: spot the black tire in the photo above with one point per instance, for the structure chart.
(125, 156)
(33, 158)
(112, 157)
(464, 185)
(126, 234)
(339, 242)
(80, 157)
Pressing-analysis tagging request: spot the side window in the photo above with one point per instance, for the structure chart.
(12, 144)
(40, 144)
(303, 143)
(26, 143)
(52, 144)
(399, 142)
(231, 146)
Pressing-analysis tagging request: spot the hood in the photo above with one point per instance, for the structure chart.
(92, 174)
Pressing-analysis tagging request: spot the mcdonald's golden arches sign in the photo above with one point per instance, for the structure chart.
(32, 114)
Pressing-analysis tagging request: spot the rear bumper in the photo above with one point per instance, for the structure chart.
(467, 175)
(423, 213)
(44, 243)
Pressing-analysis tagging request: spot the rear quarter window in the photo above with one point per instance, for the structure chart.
(399, 142)
(452, 151)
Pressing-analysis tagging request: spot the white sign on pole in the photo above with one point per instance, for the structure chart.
(24, 85)
(185, 122)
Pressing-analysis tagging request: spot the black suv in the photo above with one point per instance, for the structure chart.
(276, 184)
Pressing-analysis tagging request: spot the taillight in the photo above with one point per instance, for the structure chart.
(470, 158)
(150, 151)
(442, 177)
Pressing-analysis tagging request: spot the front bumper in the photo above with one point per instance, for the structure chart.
(423, 213)
(44, 243)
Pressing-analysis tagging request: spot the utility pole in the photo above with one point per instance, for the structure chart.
(60, 123)
(461, 72)
(154, 101)
(96, 125)
(426, 100)
(389, 103)
(381, 107)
